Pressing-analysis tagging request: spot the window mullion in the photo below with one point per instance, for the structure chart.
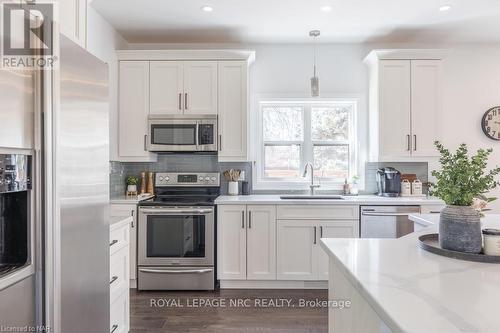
(308, 146)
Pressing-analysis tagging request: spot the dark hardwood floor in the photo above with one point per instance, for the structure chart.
(259, 311)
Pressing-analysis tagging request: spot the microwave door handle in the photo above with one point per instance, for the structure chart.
(197, 135)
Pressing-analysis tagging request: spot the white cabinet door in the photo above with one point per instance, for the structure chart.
(129, 210)
(200, 87)
(426, 77)
(166, 87)
(261, 242)
(296, 253)
(231, 242)
(394, 105)
(333, 229)
(73, 20)
(133, 111)
(233, 106)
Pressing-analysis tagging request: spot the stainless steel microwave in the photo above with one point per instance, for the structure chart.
(182, 133)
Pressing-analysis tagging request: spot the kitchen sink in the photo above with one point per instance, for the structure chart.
(312, 197)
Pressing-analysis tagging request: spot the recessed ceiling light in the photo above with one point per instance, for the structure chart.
(326, 8)
(444, 8)
(207, 9)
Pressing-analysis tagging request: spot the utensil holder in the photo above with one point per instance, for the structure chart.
(232, 188)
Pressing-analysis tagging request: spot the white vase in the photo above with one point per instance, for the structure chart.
(132, 188)
(232, 188)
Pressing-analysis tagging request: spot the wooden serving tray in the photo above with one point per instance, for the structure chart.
(430, 243)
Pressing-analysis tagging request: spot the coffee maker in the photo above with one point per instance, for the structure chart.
(388, 182)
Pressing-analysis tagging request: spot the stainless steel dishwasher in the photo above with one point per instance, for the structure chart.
(387, 221)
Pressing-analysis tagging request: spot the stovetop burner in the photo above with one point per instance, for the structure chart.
(182, 189)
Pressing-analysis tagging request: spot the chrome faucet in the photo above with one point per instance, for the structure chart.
(313, 187)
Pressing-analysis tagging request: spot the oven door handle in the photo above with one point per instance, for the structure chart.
(169, 271)
(177, 211)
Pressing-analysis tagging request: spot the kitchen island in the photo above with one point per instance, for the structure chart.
(394, 286)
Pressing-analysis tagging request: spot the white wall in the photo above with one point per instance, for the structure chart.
(102, 41)
(471, 81)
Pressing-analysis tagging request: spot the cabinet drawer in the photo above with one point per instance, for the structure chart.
(118, 238)
(118, 273)
(317, 212)
(119, 314)
(431, 209)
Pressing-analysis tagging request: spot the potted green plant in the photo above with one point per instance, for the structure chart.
(132, 182)
(461, 180)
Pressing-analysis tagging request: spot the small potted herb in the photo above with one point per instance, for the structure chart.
(461, 180)
(132, 182)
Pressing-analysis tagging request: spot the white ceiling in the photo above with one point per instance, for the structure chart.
(289, 21)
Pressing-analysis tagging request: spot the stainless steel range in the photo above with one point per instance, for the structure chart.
(176, 239)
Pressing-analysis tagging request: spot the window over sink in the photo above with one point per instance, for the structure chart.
(294, 132)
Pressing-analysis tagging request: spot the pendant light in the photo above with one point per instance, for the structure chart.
(314, 80)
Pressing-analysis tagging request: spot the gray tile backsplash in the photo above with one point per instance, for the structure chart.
(209, 163)
(174, 163)
(421, 169)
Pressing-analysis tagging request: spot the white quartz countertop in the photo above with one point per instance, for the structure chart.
(130, 199)
(120, 219)
(353, 200)
(413, 290)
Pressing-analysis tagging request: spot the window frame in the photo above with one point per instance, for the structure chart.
(267, 183)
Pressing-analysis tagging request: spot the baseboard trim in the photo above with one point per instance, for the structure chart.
(274, 284)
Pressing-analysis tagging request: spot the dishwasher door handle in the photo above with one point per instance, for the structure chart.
(386, 214)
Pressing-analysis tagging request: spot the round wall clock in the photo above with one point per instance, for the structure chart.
(491, 123)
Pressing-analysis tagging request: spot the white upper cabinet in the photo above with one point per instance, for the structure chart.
(261, 242)
(394, 120)
(73, 20)
(166, 87)
(426, 105)
(405, 104)
(200, 87)
(133, 111)
(233, 106)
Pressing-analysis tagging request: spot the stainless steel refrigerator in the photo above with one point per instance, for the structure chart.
(60, 119)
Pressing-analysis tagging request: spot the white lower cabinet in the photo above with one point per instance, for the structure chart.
(119, 277)
(129, 210)
(246, 242)
(296, 255)
(334, 229)
(261, 243)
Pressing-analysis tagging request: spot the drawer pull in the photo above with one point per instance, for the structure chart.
(113, 242)
(113, 329)
(113, 279)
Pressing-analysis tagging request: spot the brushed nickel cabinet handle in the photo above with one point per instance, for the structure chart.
(113, 329)
(220, 142)
(314, 235)
(186, 101)
(408, 144)
(113, 242)
(321, 232)
(249, 220)
(145, 141)
(242, 220)
(180, 101)
(414, 142)
(113, 279)
(132, 213)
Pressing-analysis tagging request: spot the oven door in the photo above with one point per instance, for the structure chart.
(170, 236)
